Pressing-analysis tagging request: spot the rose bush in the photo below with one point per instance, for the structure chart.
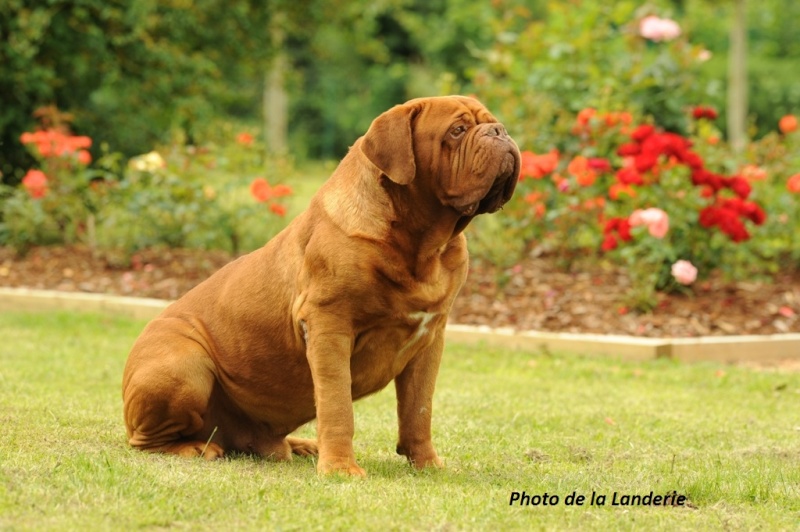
(60, 200)
(604, 105)
(158, 198)
(169, 200)
(546, 65)
(667, 207)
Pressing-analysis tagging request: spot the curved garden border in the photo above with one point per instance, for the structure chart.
(718, 348)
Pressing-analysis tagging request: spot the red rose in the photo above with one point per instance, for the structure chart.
(629, 176)
(537, 166)
(655, 144)
(793, 184)
(260, 189)
(245, 139)
(281, 190)
(645, 161)
(621, 227)
(787, 124)
(624, 230)
(726, 216)
(748, 209)
(709, 217)
(674, 144)
(627, 150)
(699, 177)
(642, 132)
(756, 214)
(609, 243)
(584, 115)
(35, 182)
(704, 112)
(739, 186)
(714, 181)
(731, 225)
(599, 164)
(611, 225)
(691, 159)
(278, 209)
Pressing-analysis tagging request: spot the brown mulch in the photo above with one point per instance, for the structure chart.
(593, 298)
(537, 295)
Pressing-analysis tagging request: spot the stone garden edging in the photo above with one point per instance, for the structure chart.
(718, 348)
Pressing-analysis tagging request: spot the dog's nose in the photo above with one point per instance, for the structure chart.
(496, 130)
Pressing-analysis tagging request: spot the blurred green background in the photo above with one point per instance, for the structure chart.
(136, 74)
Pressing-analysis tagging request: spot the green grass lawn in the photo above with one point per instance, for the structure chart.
(727, 438)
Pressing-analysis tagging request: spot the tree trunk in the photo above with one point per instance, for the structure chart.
(276, 101)
(737, 78)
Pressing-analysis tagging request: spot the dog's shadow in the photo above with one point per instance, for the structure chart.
(389, 467)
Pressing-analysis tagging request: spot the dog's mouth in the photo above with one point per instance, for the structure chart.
(503, 187)
(500, 191)
(498, 195)
(493, 201)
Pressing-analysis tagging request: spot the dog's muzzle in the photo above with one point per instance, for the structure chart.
(503, 187)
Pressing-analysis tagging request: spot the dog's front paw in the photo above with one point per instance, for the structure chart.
(342, 466)
(429, 461)
(421, 456)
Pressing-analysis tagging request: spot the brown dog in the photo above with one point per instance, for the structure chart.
(353, 293)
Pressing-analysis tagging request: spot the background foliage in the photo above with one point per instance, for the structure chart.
(139, 73)
(131, 73)
(188, 79)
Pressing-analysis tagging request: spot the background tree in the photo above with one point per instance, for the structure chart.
(138, 74)
(737, 77)
(130, 72)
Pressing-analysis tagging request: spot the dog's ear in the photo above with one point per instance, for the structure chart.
(389, 144)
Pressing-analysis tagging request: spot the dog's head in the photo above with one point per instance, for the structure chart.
(450, 146)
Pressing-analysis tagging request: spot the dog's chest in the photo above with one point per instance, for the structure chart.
(382, 352)
(422, 329)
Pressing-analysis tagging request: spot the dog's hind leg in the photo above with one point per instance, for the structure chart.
(303, 446)
(280, 449)
(166, 400)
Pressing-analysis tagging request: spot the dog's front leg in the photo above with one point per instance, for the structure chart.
(415, 386)
(329, 358)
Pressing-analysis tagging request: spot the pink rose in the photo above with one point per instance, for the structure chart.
(659, 29)
(656, 220)
(684, 272)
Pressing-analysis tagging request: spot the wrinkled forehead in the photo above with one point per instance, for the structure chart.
(479, 112)
(451, 108)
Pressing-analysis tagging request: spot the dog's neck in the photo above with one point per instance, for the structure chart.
(371, 206)
(426, 226)
(357, 205)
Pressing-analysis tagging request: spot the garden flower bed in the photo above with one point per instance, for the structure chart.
(537, 295)
(623, 223)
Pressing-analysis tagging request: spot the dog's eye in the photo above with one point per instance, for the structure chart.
(458, 131)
